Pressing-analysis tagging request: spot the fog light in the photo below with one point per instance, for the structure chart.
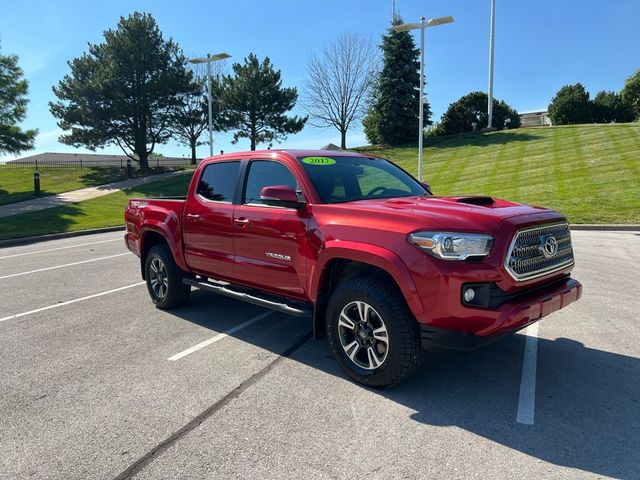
(469, 295)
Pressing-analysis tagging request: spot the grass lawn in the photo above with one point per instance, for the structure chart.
(591, 173)
(99, 212)
(17, 185)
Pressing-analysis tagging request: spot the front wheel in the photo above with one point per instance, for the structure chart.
(372, 334)
(164, 279)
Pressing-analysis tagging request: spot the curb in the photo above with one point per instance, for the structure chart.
(606, 228)
(14, 242)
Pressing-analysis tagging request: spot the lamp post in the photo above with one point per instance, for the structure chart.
(405, 27)
(491, 36)
(208, 59)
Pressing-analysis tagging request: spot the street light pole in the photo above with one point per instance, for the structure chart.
(208, 59)
(405, 27)
(210, 107)
(421, 102)
(491, 36)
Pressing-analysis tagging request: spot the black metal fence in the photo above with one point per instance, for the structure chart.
(53, 164)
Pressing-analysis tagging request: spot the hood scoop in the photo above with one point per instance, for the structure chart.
(477, 200)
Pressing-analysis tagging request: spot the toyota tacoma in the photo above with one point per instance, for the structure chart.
(384, 268)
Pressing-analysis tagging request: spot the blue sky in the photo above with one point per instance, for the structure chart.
(540, 46)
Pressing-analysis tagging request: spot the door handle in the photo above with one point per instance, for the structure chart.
(241, 222)
(193, 217)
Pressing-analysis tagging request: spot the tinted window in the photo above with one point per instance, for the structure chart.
(218, 181)
(266, 174)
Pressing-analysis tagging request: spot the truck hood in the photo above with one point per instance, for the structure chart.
(468, 214)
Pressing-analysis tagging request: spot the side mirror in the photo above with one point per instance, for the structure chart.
(427, 187)
(280, 196)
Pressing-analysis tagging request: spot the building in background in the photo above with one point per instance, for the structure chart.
(535, 118)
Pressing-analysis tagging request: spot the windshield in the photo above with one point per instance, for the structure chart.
(346, 179)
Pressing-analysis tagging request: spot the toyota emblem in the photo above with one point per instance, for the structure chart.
(548, 246)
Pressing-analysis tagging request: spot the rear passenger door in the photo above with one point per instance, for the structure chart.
(207, 221)
(270, 242)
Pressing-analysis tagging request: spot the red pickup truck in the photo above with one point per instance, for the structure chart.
(384, 268)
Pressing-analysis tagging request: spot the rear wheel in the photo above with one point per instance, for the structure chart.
(164, 279)
(372, 334)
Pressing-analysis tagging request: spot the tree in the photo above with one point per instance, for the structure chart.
(13, 107)
(610, 107)
(338, 83)
(371, 119)
(254, 103)
(571, 106)
(631, 93)
(123, 91)
(397, 96)
(191, 117)
(469, 113)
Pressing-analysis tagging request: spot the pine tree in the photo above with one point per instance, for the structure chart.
(254, 103)
(397, 91)
(13, 107)
(123, 90)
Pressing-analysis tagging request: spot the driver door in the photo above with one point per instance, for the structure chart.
(270, 242)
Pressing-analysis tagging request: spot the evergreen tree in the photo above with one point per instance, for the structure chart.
(610, 107)
(13, 107)
(393, 118)
(123, 91)
(254, 103)
(571, 106)
(472, 109)
(631, 93)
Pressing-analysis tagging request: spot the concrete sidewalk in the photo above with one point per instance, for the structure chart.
(76, 196)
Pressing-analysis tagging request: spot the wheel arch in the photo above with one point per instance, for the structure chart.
(349, 260)
(157, 234)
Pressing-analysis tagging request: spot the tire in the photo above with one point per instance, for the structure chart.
(384, 350)
(164, 279)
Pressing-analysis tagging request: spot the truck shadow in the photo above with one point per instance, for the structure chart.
(587, 413)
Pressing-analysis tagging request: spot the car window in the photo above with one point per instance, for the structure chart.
(218, 181)
(265, 173)
(345, 179)
(374, 179)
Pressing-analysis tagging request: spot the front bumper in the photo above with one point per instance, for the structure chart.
(509, 318)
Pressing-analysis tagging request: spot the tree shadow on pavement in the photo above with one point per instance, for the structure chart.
(587, 400)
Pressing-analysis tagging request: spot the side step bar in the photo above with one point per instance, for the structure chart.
(274, 303)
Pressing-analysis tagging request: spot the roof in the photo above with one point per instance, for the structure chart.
(292, 152)
(542, 111)
(54, 157)
(331, 146)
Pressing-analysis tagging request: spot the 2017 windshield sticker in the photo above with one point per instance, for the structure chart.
(319, 160)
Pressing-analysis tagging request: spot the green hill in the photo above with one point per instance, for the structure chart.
(591, 173)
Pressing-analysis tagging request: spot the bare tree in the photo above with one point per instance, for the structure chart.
(338, 84)
(191, 119)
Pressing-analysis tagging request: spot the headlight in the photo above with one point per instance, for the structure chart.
(452, 246)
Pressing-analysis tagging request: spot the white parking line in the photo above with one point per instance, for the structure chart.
(220, 336)
(527, 400)
(69, 302)
(65, 265)
(60, 248)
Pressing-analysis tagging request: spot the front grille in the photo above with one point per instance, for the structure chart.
(527, 257)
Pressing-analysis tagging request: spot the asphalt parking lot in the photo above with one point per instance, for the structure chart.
(96, 383)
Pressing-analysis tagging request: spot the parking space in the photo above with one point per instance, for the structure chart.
(97, 383)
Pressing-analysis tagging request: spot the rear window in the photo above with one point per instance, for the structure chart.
(218, 181)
